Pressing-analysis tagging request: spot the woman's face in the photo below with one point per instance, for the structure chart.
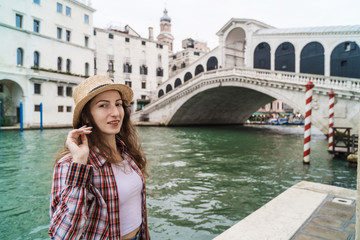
(108, 112)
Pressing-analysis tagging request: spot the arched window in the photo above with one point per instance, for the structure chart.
(59, 64)
(143, 70)
(20, 57)
(212, 64)
(36, 59)
(173, 68)
(159, 72)
(262, 56)
(159, 59)
(285, 57)
(183, 65)
(161, 93)
(187, 76)
(199, 69)
(345, 60)
(168, 88)
(127, 68)
(111, 65)
(177, 82)
(86, 69)
(312, 58)
(68, 65)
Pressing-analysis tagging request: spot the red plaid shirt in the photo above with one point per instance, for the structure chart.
(85, 201)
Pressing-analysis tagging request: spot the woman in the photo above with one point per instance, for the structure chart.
(98, 189)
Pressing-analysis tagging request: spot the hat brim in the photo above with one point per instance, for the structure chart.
(125, 92)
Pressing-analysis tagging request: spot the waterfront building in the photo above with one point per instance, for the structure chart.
(47, 50)
(193, 50)
(127, 58)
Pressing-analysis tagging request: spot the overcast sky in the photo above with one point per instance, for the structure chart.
(200, 19)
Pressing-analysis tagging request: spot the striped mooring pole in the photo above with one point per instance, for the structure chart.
(307, 133)
(21, 117)
(331, 117)
(41, 116)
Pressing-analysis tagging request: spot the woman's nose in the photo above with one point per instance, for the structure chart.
(114, 110)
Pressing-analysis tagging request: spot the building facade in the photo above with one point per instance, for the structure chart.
(49, 49)
(126, 57)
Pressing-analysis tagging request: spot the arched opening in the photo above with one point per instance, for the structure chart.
(59, 64)
(168, 88)
(235, 48)
(36, 59)
(285, 57)
(345, 60)
(199, 69)
(11, 94)
(86, 69)
(160, 93)
(68, 65)
(177, 82)
(262, 56)
(187, 76)
(312, 58)
(212, 64)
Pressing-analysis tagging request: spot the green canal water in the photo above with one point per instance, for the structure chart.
(202, 179)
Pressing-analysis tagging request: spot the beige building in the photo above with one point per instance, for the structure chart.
(126, 57)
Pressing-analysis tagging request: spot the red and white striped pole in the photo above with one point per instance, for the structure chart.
(307, 133)
(331, 118)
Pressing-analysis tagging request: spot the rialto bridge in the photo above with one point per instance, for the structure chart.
(255, 64)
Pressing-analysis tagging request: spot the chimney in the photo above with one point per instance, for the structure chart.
(151, 34)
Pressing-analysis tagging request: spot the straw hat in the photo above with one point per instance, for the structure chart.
(93, 86)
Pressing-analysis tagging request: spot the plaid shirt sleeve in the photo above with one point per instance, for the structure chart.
(68, 199)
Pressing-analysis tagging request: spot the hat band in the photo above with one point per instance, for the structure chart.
(98, 87)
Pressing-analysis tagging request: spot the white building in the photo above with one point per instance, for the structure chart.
(47, 50)
(130, 59)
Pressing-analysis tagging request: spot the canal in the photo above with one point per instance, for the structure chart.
(202, 179)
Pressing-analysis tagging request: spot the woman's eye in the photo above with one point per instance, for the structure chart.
(119, 104)
(102, 105)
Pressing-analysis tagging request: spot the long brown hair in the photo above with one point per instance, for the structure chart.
(127, 134)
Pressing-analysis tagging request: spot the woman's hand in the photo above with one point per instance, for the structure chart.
(79, 152)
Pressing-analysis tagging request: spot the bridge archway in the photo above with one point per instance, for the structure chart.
(11, 94)
(177, 82)
(285, 57)
(199, 69)
(212, 64)
(345, 60)
(161, 93)
(187, 76)
(168, 88)
(235, 48)
(312, 58)
(262, 56)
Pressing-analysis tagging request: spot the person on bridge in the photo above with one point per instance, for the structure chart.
(98, 189)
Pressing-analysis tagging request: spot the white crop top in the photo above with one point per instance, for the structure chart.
(129, 187)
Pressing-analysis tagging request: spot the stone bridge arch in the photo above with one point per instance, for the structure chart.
(11, 94)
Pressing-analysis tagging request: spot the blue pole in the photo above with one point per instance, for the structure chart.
(0, 115)
(21, 117)
(41, 117)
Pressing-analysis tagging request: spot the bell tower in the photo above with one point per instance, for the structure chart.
(165, 35)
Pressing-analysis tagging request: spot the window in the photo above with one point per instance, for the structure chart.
(36, 59)
(183, 65)
(86, 18)
(143, 70)
(86, 69)
(37, 88)
(127, 39)
(159, 72)
(1, 88)
(68, 11)
(59, 64)
(69, 91)
(174, 68)
(143, 85)
(36, 1)
(143, 43)
(86, 39)
(196, 53)
(94, 32)
(60, 91)
(60, 108)
(68, 65)
(127, 68)
(143, 97)
(68, 35)
(37, 108)
(20, 57)
(159, 45)
(111, 66)
(68, 109)
(128, 83)
(59, 33)
(174, 57)
(36, 26)
(59, 7)
(18, 20)
(111, 36)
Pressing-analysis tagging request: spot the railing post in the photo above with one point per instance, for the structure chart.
(331, 117)
(41, 116)
(307, 132)
(21, 117)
